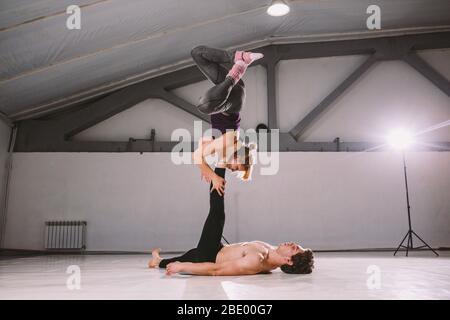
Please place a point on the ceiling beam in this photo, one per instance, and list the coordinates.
(428, 72)
(271, 59)
(287, 144)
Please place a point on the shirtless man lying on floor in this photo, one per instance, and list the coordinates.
(212, 258)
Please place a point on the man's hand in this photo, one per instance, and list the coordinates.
(218, 184)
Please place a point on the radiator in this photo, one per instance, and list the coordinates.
(65, 235)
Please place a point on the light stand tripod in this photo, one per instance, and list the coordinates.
(410, 233)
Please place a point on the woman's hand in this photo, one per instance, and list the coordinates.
(206, 177)
(173, 268)
(218, 183)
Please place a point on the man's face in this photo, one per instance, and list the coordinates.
(288, 249)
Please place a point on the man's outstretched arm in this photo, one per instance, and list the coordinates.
(250, 264)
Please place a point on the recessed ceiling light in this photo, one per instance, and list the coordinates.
(278, 8)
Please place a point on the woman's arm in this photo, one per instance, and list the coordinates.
(224, 147)
(204, 149)
(218, 183)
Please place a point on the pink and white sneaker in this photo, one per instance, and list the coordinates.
(247, 56)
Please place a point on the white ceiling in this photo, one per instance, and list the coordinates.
(43, 63)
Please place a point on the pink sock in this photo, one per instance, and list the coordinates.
(237, 71)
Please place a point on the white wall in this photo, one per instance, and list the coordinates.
(323, 200)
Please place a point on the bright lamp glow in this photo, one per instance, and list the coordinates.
(400, 139)
(278, 8)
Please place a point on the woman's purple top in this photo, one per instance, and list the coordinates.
(223, 122)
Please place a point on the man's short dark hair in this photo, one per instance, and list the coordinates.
(303, 263)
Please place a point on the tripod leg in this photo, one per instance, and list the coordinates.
(425, 244)
(411, 240)
(401, 243)
(407, 245)
(412, 246)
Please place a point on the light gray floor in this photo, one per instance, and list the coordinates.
(337, 276)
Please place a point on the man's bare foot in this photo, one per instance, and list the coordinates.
(156, 259)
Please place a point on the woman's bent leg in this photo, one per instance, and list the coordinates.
(209, 61)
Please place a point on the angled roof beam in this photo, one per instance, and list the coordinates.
(130, 96)
(428, 72)
(183, 104)
(325, 103)
(103, 109)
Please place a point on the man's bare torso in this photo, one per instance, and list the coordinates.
(239, 250)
